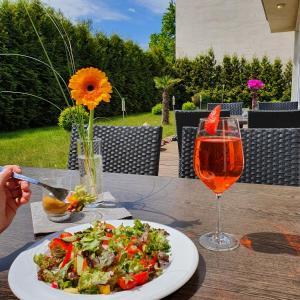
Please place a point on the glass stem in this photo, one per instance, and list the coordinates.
(218, 228)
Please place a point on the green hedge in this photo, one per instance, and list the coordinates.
(129, 68)
(205, 76)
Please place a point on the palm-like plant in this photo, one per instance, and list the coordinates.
(165, 83)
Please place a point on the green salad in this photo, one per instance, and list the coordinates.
(104, 258)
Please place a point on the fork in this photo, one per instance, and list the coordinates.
(58, 193)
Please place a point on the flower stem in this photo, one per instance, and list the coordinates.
(91, 125)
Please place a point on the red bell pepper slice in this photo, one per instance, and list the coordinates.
(68, 256)
(57, 242)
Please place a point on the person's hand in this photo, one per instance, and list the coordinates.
(13, 193)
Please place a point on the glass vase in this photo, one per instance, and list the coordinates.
(254, 100)
(90, 167)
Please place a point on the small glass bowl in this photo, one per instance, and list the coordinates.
(56, 210)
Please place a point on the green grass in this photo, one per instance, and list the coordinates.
(48, 147)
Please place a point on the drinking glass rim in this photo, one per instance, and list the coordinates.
(221, 118)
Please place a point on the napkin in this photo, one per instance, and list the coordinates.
(107, 210)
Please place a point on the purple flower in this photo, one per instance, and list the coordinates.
(255, 84)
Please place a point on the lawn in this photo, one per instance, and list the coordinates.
(48, 147)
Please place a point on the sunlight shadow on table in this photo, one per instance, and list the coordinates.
(272, 242)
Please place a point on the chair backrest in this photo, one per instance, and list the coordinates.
(290, 105)
(235, 108)
(274, 119)
(125, 149)
(191, 118)
(271, 156)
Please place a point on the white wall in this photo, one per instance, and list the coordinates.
(228, 26)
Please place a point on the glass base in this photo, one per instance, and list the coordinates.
(59, 218)
(93, 205)
(225, 241)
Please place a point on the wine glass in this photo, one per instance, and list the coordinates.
(219, 162)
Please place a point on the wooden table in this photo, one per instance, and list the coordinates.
(267, 267)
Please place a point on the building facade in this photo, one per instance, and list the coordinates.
(229, 27)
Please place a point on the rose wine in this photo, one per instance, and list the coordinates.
(218, 161)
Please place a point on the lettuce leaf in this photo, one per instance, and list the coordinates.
(91, 278)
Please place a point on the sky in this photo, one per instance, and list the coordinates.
(131, 19)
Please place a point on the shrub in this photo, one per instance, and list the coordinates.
(188, 106)
(156, 110)
(206, 96)
(69, 116)
(196, 99)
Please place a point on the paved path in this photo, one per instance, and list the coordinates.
(168, 165)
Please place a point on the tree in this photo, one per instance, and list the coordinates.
(165, 40)
(165, 83)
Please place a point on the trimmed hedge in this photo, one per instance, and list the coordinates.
(129, 68)
(228, 80)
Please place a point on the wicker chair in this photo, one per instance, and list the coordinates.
(272, 156)
(133, 150)
(274, 119)
(235, 108)
(291, 105)
(191, 118)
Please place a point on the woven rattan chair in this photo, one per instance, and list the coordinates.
(191, 118)
(278, 105)
(274, 119)
(133, 150)
(272, 156)
(235, 108)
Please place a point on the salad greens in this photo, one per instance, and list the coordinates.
(103, 259)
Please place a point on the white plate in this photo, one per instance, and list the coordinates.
(22, 276)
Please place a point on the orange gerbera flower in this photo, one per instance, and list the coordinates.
(90, 86)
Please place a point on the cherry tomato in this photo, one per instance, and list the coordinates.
(148, 263)
(132, 250)
(109, 226)
(65, 234)
(109, 235)
(153, 261)
(126, 283)
(141, 277)
(211, 124)
(54, 285)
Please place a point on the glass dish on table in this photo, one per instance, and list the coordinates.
(76, 200)
(56, 210)
(218, 163)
